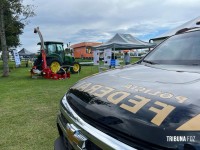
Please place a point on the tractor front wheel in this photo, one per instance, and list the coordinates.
(54, 65)
(75, 67)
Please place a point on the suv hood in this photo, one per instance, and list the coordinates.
(141, 105)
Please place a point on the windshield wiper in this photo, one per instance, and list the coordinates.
(149, 62)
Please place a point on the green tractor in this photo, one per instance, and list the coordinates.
(57, 58)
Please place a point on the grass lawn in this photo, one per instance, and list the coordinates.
(28, 108)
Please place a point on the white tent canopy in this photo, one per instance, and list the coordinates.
(124, 41)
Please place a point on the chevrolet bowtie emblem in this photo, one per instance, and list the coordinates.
(75, 136)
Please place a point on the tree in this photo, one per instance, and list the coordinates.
(13, 17)
(13, 28)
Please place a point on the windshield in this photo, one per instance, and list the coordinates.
(54, 48)
(183, 49)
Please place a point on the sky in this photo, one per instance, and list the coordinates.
(75, 21)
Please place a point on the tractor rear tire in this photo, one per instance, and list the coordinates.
(54, 64)
(75, 67)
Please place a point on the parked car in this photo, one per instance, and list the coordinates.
(152, 104)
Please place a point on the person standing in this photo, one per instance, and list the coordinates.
(126, 58)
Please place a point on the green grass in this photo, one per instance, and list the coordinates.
(28, 109)
(134, 59)
(83, 60)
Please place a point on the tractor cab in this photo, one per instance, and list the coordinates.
(54, 49)
(57, 57)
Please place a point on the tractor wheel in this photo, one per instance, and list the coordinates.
(75, 67)
(54, 64)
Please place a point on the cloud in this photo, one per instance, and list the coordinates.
(77, 21)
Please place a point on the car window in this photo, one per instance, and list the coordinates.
(183, 49)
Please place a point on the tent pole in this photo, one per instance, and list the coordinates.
(114, 55)
(114, 50)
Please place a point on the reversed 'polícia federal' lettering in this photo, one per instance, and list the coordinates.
(136, 102)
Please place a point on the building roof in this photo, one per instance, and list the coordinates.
(84, 44)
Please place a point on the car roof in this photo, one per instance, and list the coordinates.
(186, 30)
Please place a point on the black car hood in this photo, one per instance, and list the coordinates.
(154, 105)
